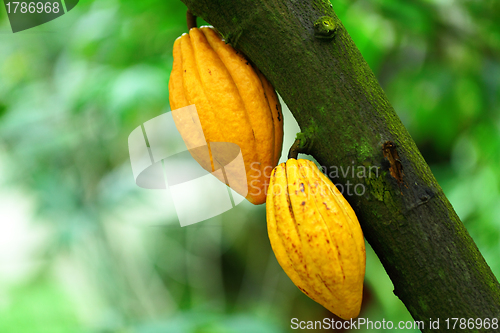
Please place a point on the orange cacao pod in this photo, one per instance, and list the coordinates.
(235, 103)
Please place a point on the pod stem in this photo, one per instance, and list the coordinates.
(190, 20)
(295, 149)
(302, 145)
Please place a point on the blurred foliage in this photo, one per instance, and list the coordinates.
(82, 249)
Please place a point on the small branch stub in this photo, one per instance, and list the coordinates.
(325, 27)
(389, 149)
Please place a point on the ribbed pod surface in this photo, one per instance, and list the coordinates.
(235, 103)
(316, 237)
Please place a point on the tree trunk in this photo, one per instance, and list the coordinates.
(435, 266)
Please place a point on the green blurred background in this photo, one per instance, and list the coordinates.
(83, 249)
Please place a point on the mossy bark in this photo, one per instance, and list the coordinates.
(436, 268)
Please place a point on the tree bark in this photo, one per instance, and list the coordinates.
(436, 268)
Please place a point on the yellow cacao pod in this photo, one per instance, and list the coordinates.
(316, 237)
(235, 103)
